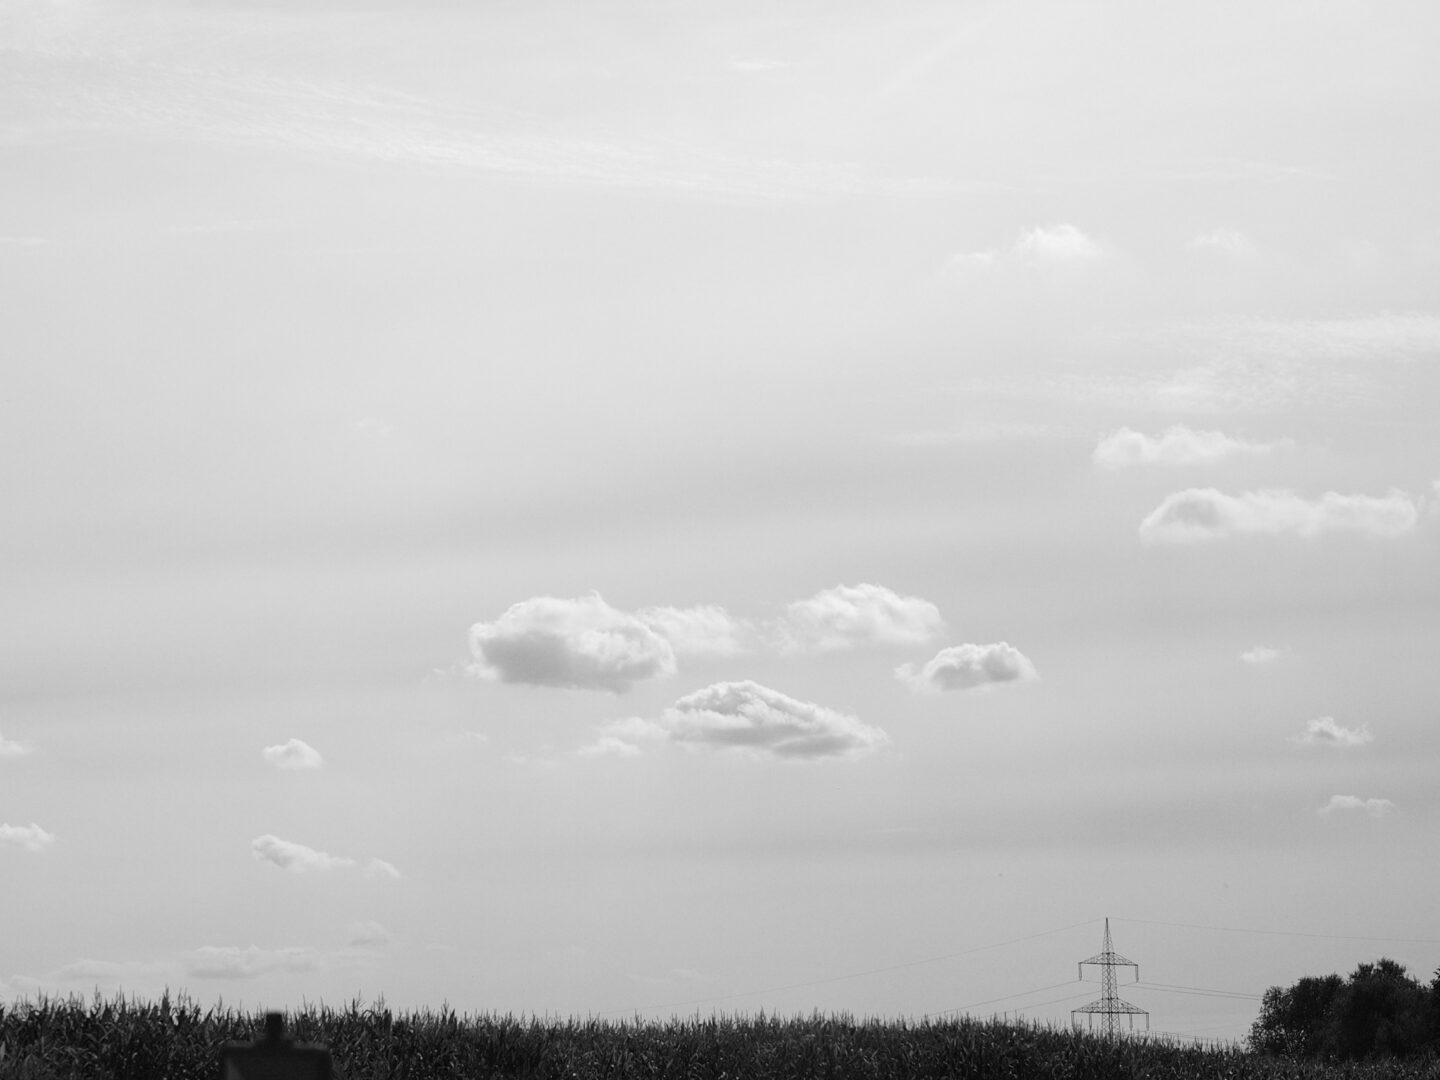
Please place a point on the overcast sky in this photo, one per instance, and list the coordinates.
(598, 508)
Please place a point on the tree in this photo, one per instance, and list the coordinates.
(1379, 1011)
(1293, 1019)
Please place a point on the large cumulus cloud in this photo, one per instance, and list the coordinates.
(580, 643)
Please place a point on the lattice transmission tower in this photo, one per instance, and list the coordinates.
(1109, 1008)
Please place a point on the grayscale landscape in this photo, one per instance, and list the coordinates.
(720, 513)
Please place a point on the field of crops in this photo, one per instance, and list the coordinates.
(135, 1040)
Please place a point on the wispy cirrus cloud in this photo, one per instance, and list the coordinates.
(126, 79)
(748, 718)
(1205, 514)
(299, 859)
(293, 754)
(1177, 445)
(30, 837)
(1376, 808)
(1324, 731)
(966, 667)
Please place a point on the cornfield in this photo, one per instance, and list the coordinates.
(120, 1039)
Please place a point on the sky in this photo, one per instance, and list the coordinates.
(655, 509)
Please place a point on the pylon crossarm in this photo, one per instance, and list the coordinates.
(1111, 959)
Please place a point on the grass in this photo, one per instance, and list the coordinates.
(55, 1038)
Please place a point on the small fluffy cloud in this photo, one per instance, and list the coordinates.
(299, 859)
(851, 615)
(1229, 242)
(295, 754)
(580, 643)
(1199, 514)
(749, 717)
(1058, 244)
(9, 748)
(1179, 445)
(1259, 655)
(30, 837)
(624, 738)
(1376, 808)
(289, 855)
(699, 631)
(1053, 245)
(1324, 731)
(235, 962)
(964, 667)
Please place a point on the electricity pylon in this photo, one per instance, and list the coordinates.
(1109, 1008)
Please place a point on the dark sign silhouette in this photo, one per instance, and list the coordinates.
(275, 1056)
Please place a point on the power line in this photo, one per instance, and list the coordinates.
(1202, 991)
(854, 974)
(1053, 1001)
(991, 1001)
(1284, 933)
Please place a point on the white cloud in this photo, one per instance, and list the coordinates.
(378, 868)
(1260, 654)
(292, 856)
(623, 738)
(1058, 244)
(9, 748)
(749, 717)
(298, 858)
(295, 754)
(581, 643)
(1179, 445)
(235, 962)
(1324, 731)
(1046, 244)
(707, 630)
(1206, 514)
(852, 615)
(1377, 808)
(964, 667)
(1231, 242)
(30, 837)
